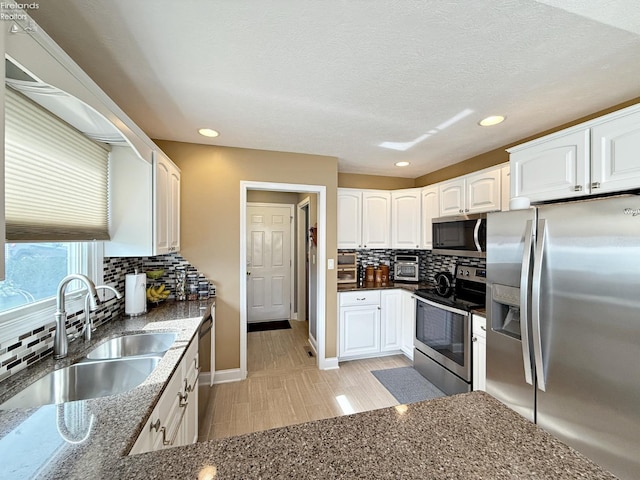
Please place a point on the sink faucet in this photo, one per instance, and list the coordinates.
(60, 342)
(88, 322)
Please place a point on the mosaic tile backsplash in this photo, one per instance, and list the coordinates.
(16, 354)
(429, 264)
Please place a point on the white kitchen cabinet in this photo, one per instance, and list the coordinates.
(349, 218)
(167, 204)
(479, 352)
(554, 168)
(364, 218)
(615, 154)
(390, 320)
(359, 331)
(474, 193)
(405, 218)
(145, 205)
(430, 210)
(174, 420)
(376, 219)
(598, 156)
(408, 323)
(452, 197)
(505, 183)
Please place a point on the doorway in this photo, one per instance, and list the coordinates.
(320, 285)
(269, 262)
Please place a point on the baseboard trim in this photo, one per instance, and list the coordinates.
(204, 378)
(227, 376)
(329, 364)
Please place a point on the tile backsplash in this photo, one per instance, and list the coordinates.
(31, 346)
(429, 263)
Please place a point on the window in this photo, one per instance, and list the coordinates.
(56, 204)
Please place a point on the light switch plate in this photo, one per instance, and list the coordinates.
(330, 264)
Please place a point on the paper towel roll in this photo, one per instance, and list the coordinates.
(135, 294)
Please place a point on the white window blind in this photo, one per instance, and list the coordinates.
(55, 178)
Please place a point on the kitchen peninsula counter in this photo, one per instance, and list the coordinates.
(459, 437)
(465, 436)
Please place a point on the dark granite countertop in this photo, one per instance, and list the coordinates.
(97, 431)
(468, 436)
(353, 287)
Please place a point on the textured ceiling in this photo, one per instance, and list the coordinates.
(342, 78)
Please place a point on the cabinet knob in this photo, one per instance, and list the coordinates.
(155, 425)
(460, 211)
(577, 188)
(595, 185)
(474, 339)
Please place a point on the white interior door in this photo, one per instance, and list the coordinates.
(268, 263)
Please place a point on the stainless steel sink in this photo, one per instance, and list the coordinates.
(131, 345)
(83, 381)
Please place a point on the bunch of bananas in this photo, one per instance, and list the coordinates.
(157, 293)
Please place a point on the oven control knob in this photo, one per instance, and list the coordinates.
(467, 273)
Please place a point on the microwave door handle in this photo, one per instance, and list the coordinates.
(524, 301)
(535, 304)
(476, 235)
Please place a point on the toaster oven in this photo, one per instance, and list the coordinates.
(406, 268)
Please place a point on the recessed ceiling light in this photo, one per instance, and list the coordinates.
(207, 132)
(402, 164)
(492, 120)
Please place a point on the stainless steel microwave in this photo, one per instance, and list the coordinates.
(463, 235)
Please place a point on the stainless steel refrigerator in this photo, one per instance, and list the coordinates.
(563, 304)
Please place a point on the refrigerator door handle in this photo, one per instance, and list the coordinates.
(476, 235)
(524, 301)
(535, 303)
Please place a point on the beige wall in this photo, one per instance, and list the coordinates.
(499, 155)
(263, 196)
(210, 223)
(354, 180)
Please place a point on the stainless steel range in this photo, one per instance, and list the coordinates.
(443, 329)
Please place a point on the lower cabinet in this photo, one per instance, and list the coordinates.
(373, 323)
(479, 352)
(174, 420)
(408, 323)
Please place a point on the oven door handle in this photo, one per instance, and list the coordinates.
(441, 306)
(476, 235)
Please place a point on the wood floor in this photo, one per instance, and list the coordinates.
(285, 387)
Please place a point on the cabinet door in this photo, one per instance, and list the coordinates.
(349, 218)
(174, 211)
(405, 218)
(191, 371)
(452, 197)
(376, 219)
(554, 169)
(479, 353)
(616, 154)
(430, 210)
(505, 187)
(359, 330)
(408, 323)
(161, 204)
(483, 191)
(390, 320)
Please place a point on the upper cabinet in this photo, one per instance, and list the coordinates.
(405, 218)
(599, 156)
(145, 205)
(552, 169)
(430, 210)
(166, 204)
(473, 193)
(364, 218)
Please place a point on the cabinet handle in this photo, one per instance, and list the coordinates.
(155, 425)
(460, 211)
(466, 210)
(378, 307)
(577, 188)
(361, 299)
(176, 431)
(595, 185)
(185, 397)
(483, 328)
